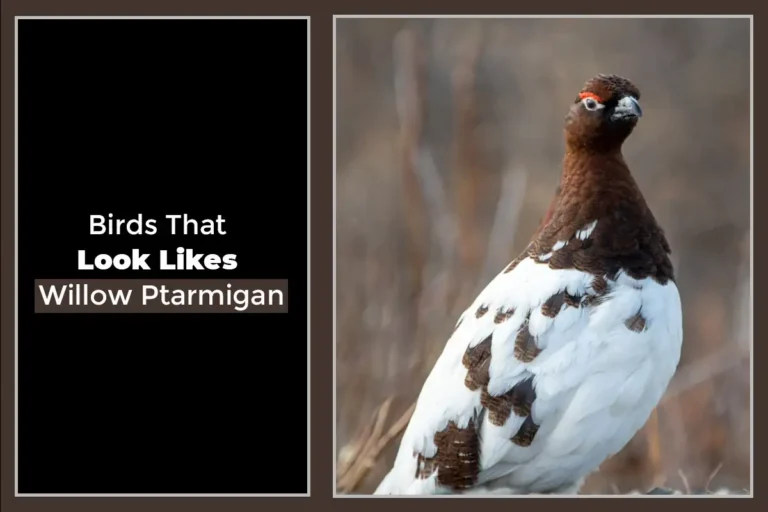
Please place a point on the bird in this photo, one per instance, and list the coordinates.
(564, 355)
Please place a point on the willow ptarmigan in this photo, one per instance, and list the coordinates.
(563, 356)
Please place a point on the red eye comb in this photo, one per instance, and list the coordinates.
(590, 95)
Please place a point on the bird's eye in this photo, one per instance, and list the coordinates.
(591, 104)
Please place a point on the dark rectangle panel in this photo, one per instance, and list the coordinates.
(161, 296)
(163, 153)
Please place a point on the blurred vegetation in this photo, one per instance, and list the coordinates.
(449, 147)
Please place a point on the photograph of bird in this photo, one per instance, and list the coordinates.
(562, 358)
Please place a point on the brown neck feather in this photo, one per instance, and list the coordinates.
(598, 186)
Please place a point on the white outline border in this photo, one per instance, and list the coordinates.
(16, 262)
(751, 230)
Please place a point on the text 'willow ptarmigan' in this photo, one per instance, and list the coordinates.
(564, 355)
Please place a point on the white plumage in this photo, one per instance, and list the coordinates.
(596, 376)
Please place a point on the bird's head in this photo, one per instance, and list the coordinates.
(604, 113)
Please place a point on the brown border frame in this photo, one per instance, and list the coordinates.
(321, 13)
(619, 12)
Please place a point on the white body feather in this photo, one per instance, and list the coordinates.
(596, 380)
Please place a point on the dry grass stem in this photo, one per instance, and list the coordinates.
(360, 455)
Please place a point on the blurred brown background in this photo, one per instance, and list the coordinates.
(449, 144)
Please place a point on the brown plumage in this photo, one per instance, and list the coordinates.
(626, 235)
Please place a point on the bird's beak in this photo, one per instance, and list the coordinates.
(628, 108)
